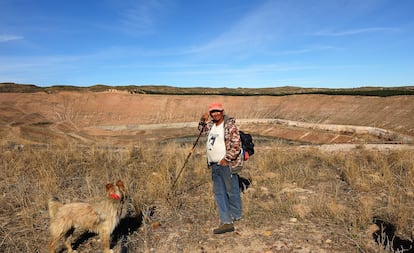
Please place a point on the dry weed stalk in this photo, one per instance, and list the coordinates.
(340, 189)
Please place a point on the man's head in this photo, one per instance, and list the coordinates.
(216, 112)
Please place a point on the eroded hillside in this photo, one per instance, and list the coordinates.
(121, 117)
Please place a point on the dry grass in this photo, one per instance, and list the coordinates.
(301, 197)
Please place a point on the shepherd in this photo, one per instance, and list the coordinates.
(223, 158)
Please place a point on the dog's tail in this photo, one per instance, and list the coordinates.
(53, 205)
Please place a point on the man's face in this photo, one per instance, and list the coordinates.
(216, 115)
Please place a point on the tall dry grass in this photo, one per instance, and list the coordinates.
(340, 192)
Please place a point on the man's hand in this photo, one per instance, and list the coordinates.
(205, 117)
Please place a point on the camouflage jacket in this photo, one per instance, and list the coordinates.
(231, 139)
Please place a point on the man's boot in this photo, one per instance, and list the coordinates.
(224, 228)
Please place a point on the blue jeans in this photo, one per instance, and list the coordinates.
(227, 193)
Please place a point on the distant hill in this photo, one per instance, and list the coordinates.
(170, 90)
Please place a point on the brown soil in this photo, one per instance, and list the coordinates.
(121, 118)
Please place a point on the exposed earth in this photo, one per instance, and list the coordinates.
(119, 119)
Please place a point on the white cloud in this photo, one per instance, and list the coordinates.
(9, 37)
(355, 31)
(255, 30)
(141, 17)
(305, 50)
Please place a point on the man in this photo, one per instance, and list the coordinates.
(224, 160)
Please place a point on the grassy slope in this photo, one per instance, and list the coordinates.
(301, 200)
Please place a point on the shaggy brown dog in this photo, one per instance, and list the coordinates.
(100, 218)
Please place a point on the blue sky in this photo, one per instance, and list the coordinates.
(212, 43)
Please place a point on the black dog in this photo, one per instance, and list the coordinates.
(244, 183)
(386, 236)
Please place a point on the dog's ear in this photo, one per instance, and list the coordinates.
(120, 185)
(109, 187)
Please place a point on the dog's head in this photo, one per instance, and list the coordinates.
(116, 191)
(244, 183)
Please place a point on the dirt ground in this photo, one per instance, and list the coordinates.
(119, 119)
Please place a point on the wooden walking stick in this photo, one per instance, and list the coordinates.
(186, 160)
